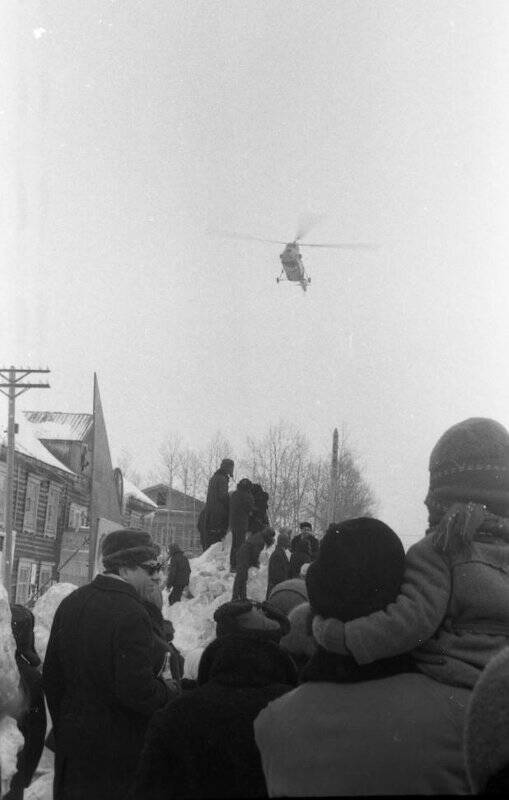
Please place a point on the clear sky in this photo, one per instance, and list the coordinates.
(133, 127)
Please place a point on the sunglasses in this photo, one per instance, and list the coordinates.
(151, 569)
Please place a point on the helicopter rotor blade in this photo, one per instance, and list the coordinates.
(306, 223)
(244, 236)
(343, 246)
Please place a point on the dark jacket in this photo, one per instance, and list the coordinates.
(248, 554)
(99, 677)
(279, 568)
(202, 745)
(241, 509)
(260, 516)
(314, 543)
(179, 570)
(217, 503)
(300, 556)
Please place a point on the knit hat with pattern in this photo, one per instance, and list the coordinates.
(470, 463)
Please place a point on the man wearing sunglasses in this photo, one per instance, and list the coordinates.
(100, 673)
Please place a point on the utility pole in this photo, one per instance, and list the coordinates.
(333, 476)
(15, 385)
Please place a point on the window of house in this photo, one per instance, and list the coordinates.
(24, 579)
(45, 577)
(50, 524)
(31, 502)
(78, 516)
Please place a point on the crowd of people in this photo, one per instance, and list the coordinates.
(366, 671)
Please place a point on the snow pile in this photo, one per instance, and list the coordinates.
(211, 585)
(11, 740)
(44, 611)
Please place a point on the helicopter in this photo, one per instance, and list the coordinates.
(293, 269)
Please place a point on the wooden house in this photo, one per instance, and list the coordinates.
(175, 518)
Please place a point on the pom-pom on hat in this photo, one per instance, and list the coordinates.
(470, 463)
(128, 548)
(358, 570)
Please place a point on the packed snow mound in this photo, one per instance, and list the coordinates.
(211, 585)
(11, 740)
(44, 610)
(9, 681)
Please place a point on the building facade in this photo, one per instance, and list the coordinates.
(175, 519)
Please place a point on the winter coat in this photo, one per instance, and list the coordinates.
(394, 736)
(301, 556)
(248, 554)
(32, 724)
(241, 509)
(278, 569)
(260, 517)
(179, 570)
(100, 684)
(314, 543)
(202, 745)
(454, 609)
(217, 506)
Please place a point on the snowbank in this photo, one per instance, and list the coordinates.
(211, 585)
(44, 611)
(11, 740)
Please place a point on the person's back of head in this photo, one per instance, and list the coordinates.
(268, 535)
(174, 548)
(283, 540)
(288, 594)
(227, 466)
(358, 570)
(244, 485)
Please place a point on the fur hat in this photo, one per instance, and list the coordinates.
(288, 594)
(358, 570)
(487, 724)
(128, 548)
(250, 618)
(469, 463)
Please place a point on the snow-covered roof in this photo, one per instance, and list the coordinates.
(27, 443)
(130, 490)
(60, 426)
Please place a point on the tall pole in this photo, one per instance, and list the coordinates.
(333, 476)
(13, 378)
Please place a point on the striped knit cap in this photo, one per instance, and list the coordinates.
(470, 464)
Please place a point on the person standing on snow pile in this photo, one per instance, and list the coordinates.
(202, 745)
(454, 603)
(32, 721)
(100, 673)
(279, 563)
(242, 506)
(306, 532)
(179, 573)
(248, 555)
(217, 504)
(260, 516)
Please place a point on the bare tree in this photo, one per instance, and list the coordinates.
(170, 453)
(125, 464)
(211, 456)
